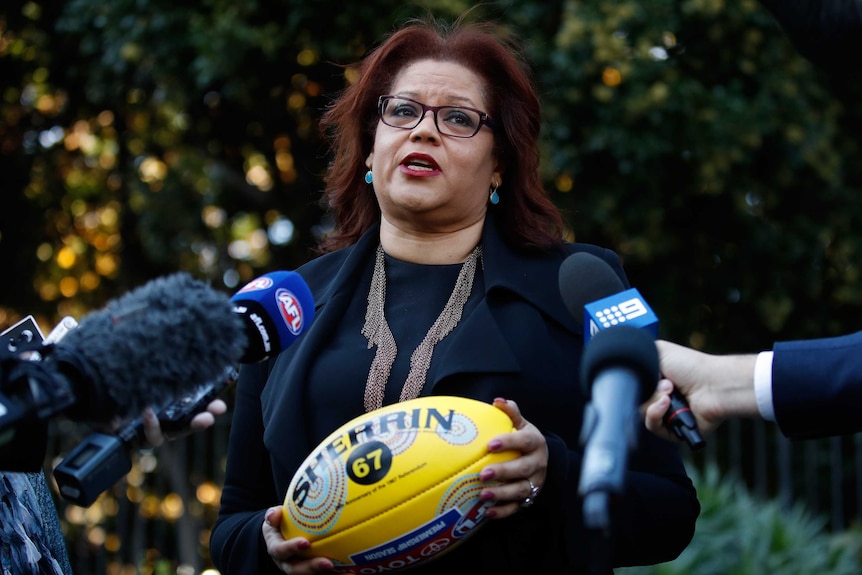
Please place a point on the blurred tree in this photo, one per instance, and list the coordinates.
(694, 140)
(152, 136)
(143, 136)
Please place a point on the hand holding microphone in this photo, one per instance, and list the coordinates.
(144, 348)
(272, 310)
(717, 387)
(595, 295)
(275, 309)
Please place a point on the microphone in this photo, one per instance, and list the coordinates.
(166, 337)
(273, 310)
(618, 373)
(594, 294)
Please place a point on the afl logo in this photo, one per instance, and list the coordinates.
(291, 311)
(258, 284)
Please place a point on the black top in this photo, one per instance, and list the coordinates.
(415, 296)
(518, 342)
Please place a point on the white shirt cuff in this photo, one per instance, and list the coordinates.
(763, 385)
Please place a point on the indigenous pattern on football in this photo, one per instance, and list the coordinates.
(397, 486)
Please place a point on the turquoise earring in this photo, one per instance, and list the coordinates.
(369, 177)
(494, 198)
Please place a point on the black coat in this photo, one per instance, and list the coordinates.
(520, 343)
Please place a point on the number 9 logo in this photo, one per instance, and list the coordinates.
(632, 308)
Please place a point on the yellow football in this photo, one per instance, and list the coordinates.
(397, 486)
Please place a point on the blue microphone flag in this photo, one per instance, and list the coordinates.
(623, 308)
(278, 307)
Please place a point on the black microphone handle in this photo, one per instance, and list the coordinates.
(681, 421)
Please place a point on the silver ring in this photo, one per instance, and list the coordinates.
(531, 498)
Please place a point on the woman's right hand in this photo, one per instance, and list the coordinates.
(287, 553)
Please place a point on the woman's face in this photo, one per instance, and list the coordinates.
(424, 180)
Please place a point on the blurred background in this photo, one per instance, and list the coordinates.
(142, 137)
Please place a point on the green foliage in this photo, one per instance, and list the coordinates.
(689, 136)
(706, 152)
(738, 534)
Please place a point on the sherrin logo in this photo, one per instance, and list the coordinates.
(258, 284)
(291, 311)
(365, 450)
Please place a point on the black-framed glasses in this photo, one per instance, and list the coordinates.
(455, 121)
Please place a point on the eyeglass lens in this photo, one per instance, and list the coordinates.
(451, 120)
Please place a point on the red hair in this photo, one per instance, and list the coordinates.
(527, 216)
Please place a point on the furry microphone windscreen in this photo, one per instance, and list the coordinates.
(148, 346)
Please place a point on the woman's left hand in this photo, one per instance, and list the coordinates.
(522, 478)
(201, 421)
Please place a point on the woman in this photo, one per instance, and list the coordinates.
(435, 183)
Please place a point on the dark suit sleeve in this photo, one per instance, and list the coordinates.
(827, 32)
(236, 544)
(817, 386)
